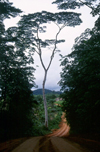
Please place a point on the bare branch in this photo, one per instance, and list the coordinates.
(54, 49)
(55, 45)
(57, 24)
(86, 4)
(93, 8)
(37, 52)
(39, 48)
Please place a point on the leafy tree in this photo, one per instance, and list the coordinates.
(6, 11)
(94, 5)
(16, 80)
(30, 26)
(80, 81)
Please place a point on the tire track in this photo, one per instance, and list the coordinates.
(45, 145)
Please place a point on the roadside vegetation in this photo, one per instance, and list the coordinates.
(80, 82)
(54, 114)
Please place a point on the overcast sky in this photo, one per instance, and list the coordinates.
(68, 33)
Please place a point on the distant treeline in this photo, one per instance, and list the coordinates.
(39, 92)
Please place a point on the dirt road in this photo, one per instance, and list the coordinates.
(48, 144)
(54, 142)
(51, 143)
(64, 129)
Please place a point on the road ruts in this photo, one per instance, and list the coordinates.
(47, 144)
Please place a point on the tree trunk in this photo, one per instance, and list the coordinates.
(44, 99)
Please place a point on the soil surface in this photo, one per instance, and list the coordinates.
(72, 143)
(48, 144)
(9, 145)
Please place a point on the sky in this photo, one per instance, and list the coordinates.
(68, 33)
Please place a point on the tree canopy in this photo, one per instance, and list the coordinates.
(7, 10)
(94, 5)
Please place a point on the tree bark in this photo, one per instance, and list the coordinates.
(44, 99)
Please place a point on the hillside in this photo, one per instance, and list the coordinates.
(47, 91)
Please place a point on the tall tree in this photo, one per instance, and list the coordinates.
(80, 81)
(30, 26)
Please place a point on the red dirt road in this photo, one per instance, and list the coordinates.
(63, 131)
(51, 142)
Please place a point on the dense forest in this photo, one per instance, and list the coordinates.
(81, 74)
(16, 98)
(21, 112)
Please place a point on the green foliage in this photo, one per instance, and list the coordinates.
(31, 25)
(60, 102)
(51, 97)
(94, 5)
(54, 115)
(38, 98)
(66, 4)
(80, 81)
(7, 10)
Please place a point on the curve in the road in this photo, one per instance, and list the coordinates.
(64, 129)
